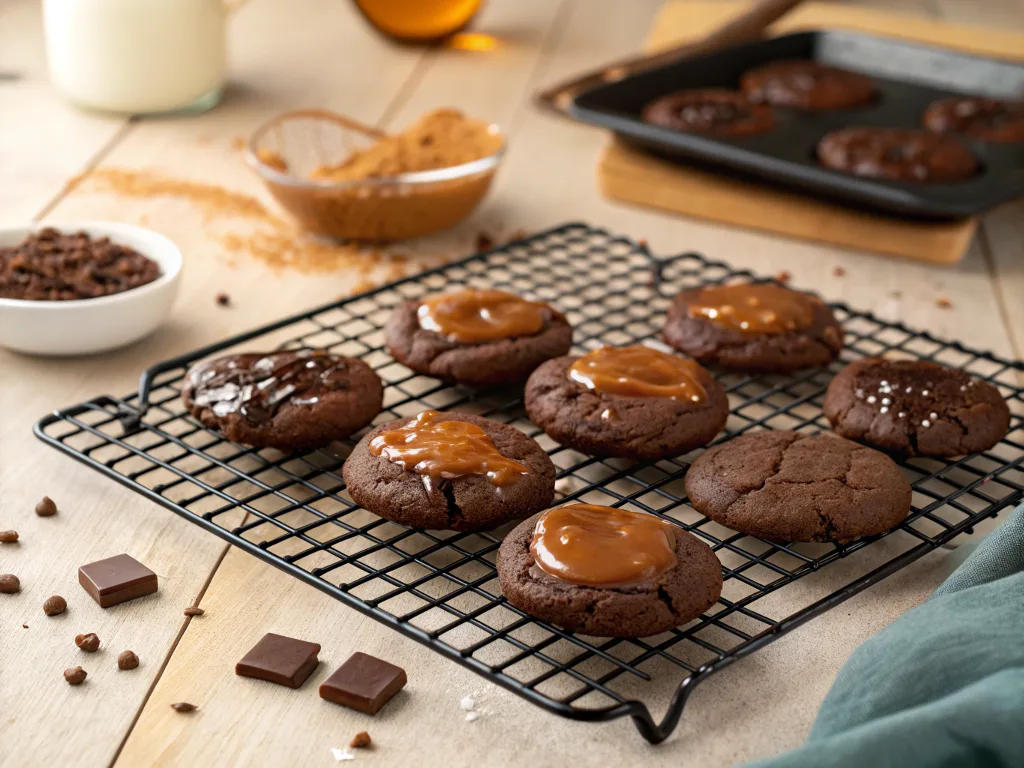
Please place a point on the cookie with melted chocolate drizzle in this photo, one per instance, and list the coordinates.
(710, 111)
(285, 400)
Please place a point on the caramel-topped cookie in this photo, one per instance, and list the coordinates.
(978, 117)
(451, 471)
(286, 400)
(916, 407)
(753, 327)
(608, 572)
(806, 84)
(711, 111)
(788, 486)
(476, 337)
(633, 402)
(897, 154)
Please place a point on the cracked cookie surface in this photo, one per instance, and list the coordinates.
(601, 424)
(474, 364)
(916, 408)
(788, 486)
(467, 503)
(676, 597)
(711, 344)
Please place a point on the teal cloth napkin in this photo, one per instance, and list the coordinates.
(943, 685)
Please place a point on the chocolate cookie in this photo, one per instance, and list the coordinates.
(286, 400)
(667, 600)
(985, 119)
(710, 111)
(805, 84)
(480, 359)
(602, 423)
(787, 486)
(753, 328)
(916, 407)
(435, 499)
(897, 154)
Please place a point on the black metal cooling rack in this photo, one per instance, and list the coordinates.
(439, 587)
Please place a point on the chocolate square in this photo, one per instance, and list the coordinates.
(364, 682)
(116, 580)
(279, 659)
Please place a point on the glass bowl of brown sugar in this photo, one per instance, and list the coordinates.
(348, 181)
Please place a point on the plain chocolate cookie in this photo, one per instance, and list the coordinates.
(468, 503)
(788, 486)
(286, 400)
(710, 111)
(981, 118)
(678, 596)
(601, 424)
(711, 344)
(487, 363)
(805, 84)
(897, 154)
(916, 408)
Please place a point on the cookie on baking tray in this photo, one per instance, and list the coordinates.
(977, 117)
(805, 84)
(711, 112)
(897, 154)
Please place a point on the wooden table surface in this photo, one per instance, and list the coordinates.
(318, 52)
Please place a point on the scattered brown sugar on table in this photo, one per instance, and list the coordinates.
(53, 266)
(279, 659)
(364, 683)
(116, 580)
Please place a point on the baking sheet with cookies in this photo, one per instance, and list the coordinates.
(441, 588)
(908, 78)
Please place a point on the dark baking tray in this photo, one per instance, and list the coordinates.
(909, 77)
(440, 587)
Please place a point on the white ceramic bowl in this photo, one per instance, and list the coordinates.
(89, 326)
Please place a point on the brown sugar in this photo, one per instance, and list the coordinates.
(438, 139)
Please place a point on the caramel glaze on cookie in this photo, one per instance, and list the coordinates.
(897, 154)
(286, 400)
(753, 328)
(710, 111)
(607, 572)
(787, 486)
(806, 84)
(916, 408)
(980, 118)
(477, 338)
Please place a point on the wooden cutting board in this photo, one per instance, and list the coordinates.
(633, 176)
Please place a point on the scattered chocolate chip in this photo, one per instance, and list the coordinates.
(24, 626)
(484, 242)
(194, 611)
(943, 303)
(54, 605)
(784, 277)
(9, 583)
(223, 300)
(46, 507)
(183, 706)
(360, 741)
(642, 242)
(8, 537)
(838, 271)
(89, 643)
(75, 675)
(127, 660)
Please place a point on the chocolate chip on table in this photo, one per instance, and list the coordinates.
(943, 303)
(127, 660)
(46, 507)
(9, 583)
(838, 271)
(784, 277)
(24, 626)
(75, 675)
(56, 266)
(193, 610)
(361, 740)
(55, 605)
(8, 537)
(89, 643)
(223, 299)
(183, 706)
(484, 242)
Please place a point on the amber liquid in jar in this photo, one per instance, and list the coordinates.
(418, 20)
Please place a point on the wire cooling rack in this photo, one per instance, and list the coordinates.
(440, 587)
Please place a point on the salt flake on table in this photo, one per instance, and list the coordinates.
(471, 716)
(468, 703)
(342, 754)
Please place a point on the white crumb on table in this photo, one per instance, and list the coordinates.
(468, 703)
(471, 716)
(342, 754)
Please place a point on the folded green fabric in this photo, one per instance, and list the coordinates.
(943, 685)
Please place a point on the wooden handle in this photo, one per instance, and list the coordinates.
(747, 26)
